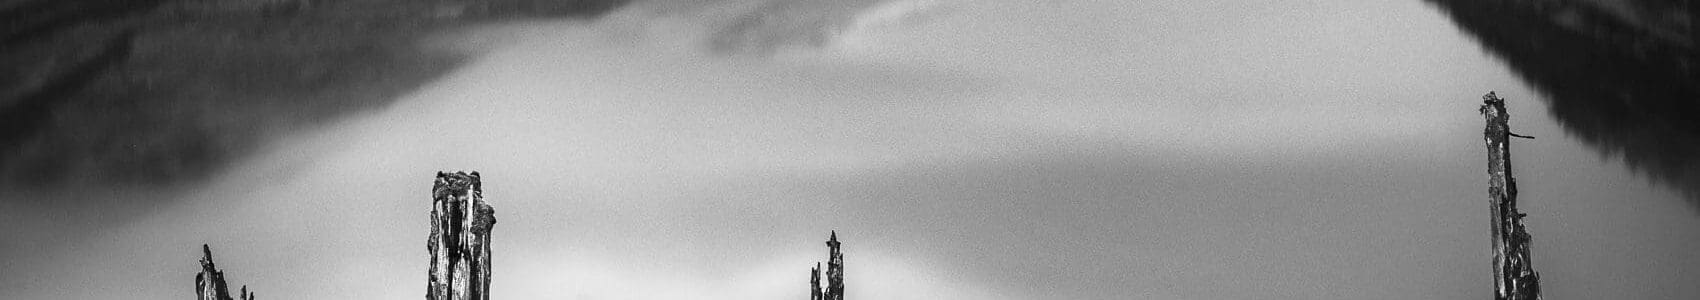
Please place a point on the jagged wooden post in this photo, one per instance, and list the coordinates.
(814, 283)
(834, 289)
(1513, 276)
(210, 284)
(834, 270)
(460, 239)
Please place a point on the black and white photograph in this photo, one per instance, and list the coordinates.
(892, 149)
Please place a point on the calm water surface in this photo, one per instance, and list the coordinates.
(962, 150)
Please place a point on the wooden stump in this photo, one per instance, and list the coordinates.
(460, 239)
(210, 284)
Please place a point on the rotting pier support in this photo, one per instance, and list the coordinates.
(834, 289)
(460, 239)
(1513, 276)
(210, 284)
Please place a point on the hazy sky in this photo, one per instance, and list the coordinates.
(1167, 149)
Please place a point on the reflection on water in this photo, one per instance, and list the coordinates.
(1624, 89)
(1056, 150)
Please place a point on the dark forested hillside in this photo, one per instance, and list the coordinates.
(161, 91)
(1628, 87)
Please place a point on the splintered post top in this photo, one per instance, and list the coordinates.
(459, 243)
(457, 184)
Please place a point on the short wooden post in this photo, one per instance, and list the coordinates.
(210, 284)
(460, 239)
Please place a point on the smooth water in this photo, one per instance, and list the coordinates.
(961, 149)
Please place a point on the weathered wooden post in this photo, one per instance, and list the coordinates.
(210, 284)
(1513, 276)
(814, 283)
(834, 289)
(834, 270)
(460, 239)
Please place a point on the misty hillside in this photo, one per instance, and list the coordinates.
(161, 91)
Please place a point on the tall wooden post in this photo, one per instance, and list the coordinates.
(460, 239)
(834, 269)
(1513, 276)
